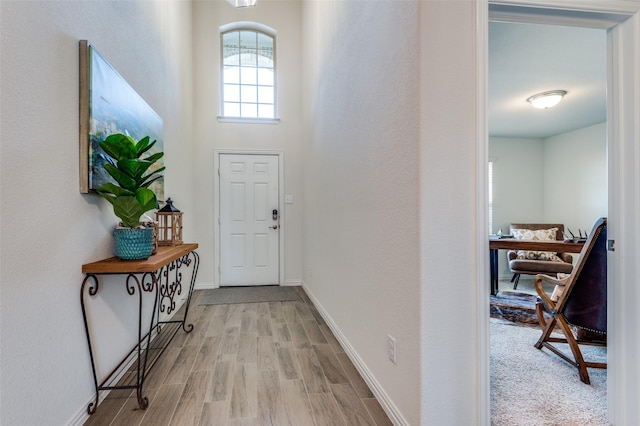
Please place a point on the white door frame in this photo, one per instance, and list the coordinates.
(216, 208)
(623, 131)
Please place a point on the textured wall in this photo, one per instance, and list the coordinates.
(575, 177)
(518, 181)
(361, 181)
(48, 228)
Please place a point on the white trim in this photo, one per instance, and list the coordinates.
(82, 416)
(293, 283)
(205, 286)
(623, 107)
(385, 401)
(483, 414)
(243, 120)
(625, 7)
(623, 123)
(248, 25)
(216, 209)
(570, 17)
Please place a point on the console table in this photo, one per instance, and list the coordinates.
(160, 276)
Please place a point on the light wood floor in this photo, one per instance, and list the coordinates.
(271, 363)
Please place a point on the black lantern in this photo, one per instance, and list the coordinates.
(169, 225)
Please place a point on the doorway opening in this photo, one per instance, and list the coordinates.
(621, 127)
(547, 166)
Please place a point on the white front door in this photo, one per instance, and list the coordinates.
(249, 220)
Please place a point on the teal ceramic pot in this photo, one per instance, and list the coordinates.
(133, 243)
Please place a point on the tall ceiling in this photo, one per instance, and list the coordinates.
(525, 59)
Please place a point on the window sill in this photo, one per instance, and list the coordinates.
(249, 120)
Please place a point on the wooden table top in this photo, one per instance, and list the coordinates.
(164, 255)
(555, 246)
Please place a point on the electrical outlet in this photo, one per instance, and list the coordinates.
(391, 348)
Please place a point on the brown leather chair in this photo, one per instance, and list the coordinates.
(581, 309)
(563, 264)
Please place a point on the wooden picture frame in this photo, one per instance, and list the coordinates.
(108, 104)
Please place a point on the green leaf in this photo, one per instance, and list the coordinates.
(146, 198)
(142, 150)
(155, 157)
(122, 178)
(146, 184)
(134, 168)
(142, 146)
(129, 210)
(145, 180)
(119, 146)
(110, 188)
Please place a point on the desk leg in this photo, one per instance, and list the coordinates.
(493, 267)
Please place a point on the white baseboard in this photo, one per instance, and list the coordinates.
(204, 286)
(209, 286)
(388, 406)
(82, 416)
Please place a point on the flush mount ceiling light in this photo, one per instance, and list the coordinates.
(546, 100)
(242, 3)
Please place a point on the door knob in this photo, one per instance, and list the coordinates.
(274, 227)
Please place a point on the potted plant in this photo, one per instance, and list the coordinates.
(130, 195)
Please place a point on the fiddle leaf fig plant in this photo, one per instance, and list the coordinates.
(131, 196)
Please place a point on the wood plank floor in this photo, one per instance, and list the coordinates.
(273, 363)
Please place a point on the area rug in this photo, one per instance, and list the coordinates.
(514, 306)
(535, 387)
(253, 294)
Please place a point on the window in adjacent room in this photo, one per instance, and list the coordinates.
(490, 172)
(490, 190)
(248, 72)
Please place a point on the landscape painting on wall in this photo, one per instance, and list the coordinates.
(108, 104)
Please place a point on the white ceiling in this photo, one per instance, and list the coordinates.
(525, 59)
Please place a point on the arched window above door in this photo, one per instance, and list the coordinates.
(248, 74)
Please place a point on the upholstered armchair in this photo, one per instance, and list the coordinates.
(537, 262)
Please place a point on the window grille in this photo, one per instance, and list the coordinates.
(248, 74)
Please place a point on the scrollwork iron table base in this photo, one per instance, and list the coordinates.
(159, 276)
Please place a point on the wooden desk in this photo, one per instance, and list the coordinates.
(513, 244)
(160, 276)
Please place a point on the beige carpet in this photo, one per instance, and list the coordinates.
(531, 387)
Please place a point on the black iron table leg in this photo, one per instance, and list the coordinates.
(493, 267)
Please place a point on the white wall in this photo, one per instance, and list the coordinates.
(453, 339)
(211, 135)
(575, 177)
(518, 181)
(361, 184)
(48, 229)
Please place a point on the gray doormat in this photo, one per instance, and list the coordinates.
(230, 295)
